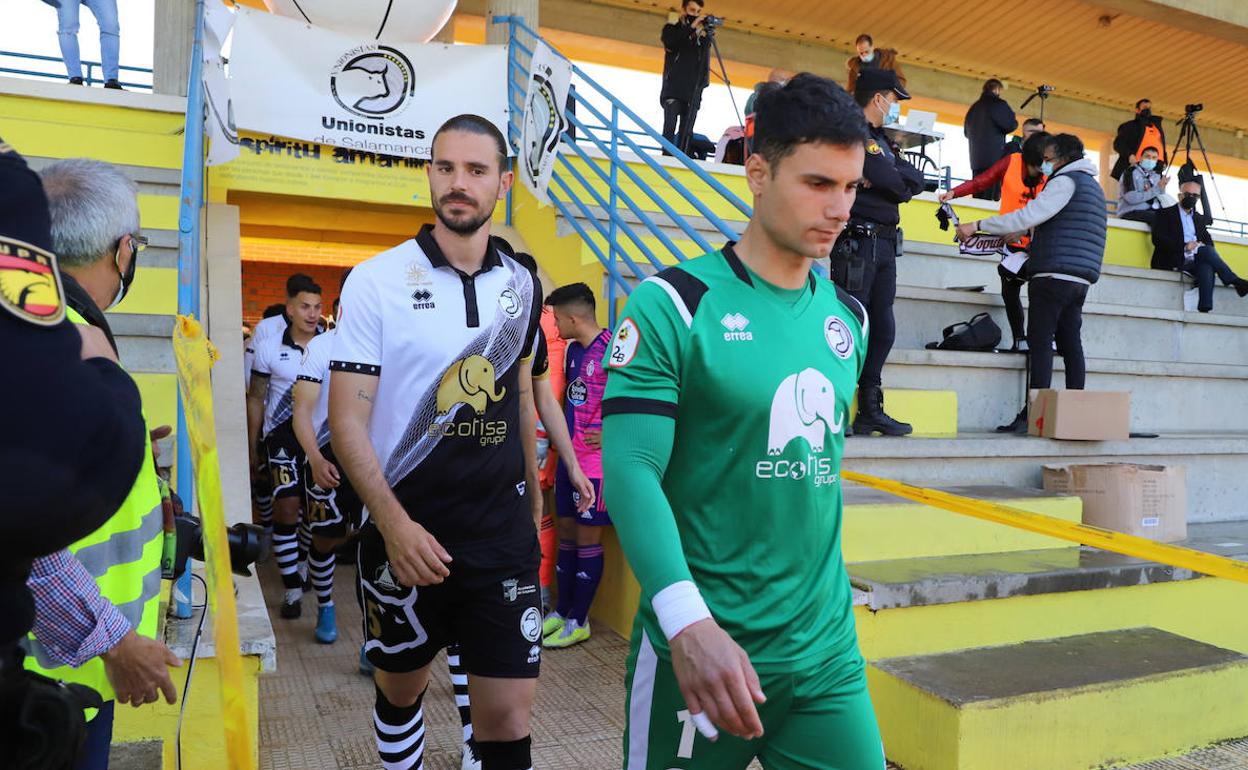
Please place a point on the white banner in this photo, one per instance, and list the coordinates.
(292, 79)
(544, 121)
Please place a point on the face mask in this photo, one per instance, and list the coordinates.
(866, 57)
(1188, 201)
(1146, 113)
(127, 278)
(1046, 168)
(1148, 164)
(893, 115)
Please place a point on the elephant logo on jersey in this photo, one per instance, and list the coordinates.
(470, 381)
(804, 407)
(30, 286)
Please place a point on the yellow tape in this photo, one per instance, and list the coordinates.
(1118, 542)
(195, 354)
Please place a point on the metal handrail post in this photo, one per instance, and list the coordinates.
(190, 204)
(613, 186)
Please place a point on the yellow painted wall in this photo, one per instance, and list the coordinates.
(54, 129)
(203, 742)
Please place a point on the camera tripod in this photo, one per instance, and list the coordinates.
(1189, 132)
(1043, 92)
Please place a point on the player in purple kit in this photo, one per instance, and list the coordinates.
(578, 568)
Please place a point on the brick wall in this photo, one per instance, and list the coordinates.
(265, 283)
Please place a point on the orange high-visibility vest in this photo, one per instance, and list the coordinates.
(1015, 193)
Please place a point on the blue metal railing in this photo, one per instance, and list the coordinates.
(89, 77)
(590, 195)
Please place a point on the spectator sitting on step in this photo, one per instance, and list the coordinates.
(1181, 241)
(1142, 189)
(105, 12)
(870, 57)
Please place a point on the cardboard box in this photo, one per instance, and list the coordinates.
(1145, 500)
(1081, 415)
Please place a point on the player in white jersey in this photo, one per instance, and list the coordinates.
(269, 408)
(434, 345)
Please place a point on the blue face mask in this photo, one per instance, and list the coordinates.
(1148, 164)
(894, 114)
(1046, 168)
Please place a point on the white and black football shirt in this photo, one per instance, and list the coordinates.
(446, 348)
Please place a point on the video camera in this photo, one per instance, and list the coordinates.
(244, 540)
(710, 22)
(1192, 109)
(1043, 90)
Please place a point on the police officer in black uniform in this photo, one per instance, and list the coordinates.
(73, 444)
(864, 260)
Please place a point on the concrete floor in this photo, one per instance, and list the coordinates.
(316, 709)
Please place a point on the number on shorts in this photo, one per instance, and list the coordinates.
(374, 618)
(318, 511)
(687, 733)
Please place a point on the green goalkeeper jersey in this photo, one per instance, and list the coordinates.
(758, 380)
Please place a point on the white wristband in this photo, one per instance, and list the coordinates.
(679, 606)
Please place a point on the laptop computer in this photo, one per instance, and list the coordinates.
(920, 122)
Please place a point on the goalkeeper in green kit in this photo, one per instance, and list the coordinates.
(729, 388)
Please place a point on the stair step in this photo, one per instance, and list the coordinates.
(1217, 488)
(990, 387)
(881, 529)
(945, 579)
(1073, 702)
(930, 412)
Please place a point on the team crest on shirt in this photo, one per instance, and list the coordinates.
(624, 344)
(839, 337)
(30, 284)
(589, 368)
(874, 148)
(417, 275)
(509, 302)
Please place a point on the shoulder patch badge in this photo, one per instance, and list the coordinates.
(624, 344)
(30, 283)
(874, 148)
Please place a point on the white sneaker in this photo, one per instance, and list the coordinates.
(470, 760)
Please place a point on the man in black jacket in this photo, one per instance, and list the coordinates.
(1144, 130)
(986, 125)
(686, 72)
(1181, 241)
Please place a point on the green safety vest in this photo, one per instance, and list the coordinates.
(124, 558)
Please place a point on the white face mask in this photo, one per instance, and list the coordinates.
(125, 278)
(866, 57)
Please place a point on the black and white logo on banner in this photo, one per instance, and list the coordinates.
(372, 81)
(544, 119)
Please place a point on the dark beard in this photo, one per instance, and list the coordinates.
(462, 226)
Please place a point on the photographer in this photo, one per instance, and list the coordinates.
(864, 259)
(1144, 130)
(74, 444)
(686, 72)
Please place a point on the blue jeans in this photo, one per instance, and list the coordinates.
(1205, 266)
(94, 754)
(105, 12)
